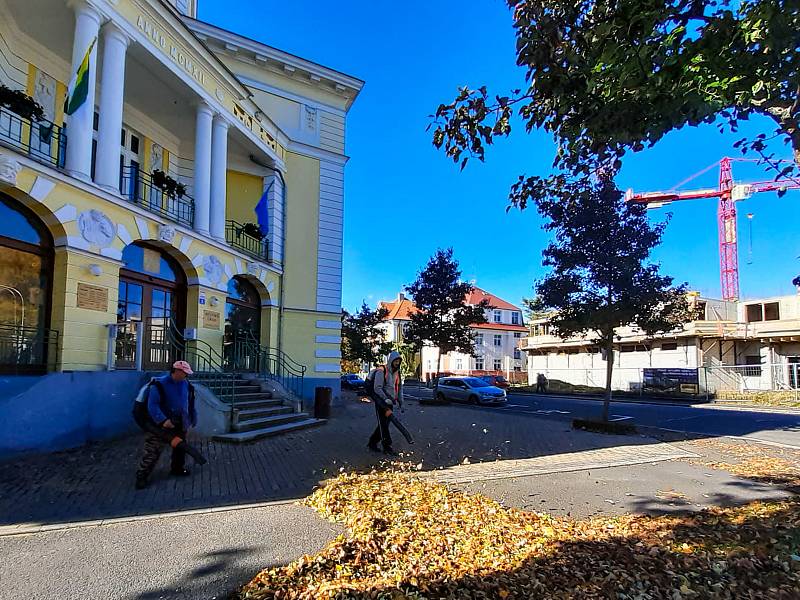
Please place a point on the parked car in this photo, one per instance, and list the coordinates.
(469, 389)
(496, 381)
(354, 382)
(432, 380)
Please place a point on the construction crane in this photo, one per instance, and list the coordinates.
(728, 194)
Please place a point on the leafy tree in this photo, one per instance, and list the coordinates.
(443, 318)
(411, 359)
(363, 340)
(531, 309)
(607, 77)
(601, 277)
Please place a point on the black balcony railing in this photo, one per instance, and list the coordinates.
(43, 141)
(27, 349)
(138, 187)
(240, 239)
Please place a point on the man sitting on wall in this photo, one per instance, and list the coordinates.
(170, 405)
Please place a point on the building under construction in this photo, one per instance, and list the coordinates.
(736, 346)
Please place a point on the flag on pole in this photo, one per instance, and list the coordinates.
(262, 210)
(78, 87)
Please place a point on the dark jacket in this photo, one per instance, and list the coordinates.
(177, 405)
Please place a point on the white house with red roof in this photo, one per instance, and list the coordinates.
(496, 342)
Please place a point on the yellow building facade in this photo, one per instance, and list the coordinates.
(134, 217)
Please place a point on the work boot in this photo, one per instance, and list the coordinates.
(390, 452)
(373, 447)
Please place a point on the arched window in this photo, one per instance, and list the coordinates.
(26, 276)
(26, 251)
(152, 289)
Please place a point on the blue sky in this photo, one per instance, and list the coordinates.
(404, 198)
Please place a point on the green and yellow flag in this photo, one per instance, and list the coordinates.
(78, 88)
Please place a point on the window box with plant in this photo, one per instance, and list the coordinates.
(20, 104)
(168, 185)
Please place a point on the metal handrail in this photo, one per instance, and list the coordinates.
(205, 360)
(138, 188)
(43, 141)
(28, 349)
(267, 363)
(238, 238)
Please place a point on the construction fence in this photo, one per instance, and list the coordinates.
(707, 381)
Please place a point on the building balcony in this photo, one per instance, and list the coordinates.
(42, 141)
(238, 237)
(138, 188)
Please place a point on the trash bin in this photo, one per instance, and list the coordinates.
(322, 402)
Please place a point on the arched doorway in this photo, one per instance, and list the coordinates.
(26, 275)
(152, 291)
(242, 324)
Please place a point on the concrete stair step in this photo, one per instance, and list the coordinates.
(240, 437)
(256, 413)
(245, 397)
(252, 404)
(265, 422)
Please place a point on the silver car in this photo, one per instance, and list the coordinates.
(469, 389)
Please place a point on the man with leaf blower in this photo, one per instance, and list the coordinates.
(385, 387)
(165, 409)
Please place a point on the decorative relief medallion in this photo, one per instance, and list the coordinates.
(96, 228)
(166, 233)
(213, 268)
(9, 168)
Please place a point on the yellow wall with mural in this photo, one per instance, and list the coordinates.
(243, 193)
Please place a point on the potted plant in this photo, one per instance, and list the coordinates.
(167, 184)
(253, 230)
(20, 103)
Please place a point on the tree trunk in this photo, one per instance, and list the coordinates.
(609, 371)
(438, 370)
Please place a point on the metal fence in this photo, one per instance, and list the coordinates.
(714, 381)
(744, 379)
(27, 349)
(42, 140)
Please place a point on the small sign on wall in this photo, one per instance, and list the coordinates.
(210, 319)
(92, 297)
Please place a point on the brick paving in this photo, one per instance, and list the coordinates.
(96, 482)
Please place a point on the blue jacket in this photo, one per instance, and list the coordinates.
(175, 402)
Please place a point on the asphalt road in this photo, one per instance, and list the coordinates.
(764, 426)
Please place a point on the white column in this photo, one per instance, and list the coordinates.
(79, 124)
(202, 168)
(219, 169)
(112, 87)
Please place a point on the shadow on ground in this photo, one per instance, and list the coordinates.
(96, 482)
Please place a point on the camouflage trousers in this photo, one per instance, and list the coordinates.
(153, 447)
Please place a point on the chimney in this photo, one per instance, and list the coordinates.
(401, 296)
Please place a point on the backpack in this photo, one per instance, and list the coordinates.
(140, 413)
(369, 384)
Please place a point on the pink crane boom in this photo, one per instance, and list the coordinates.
(728, 194)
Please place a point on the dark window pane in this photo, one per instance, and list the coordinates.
(16, 226)
(95, 120)
(122, 138)
(134, 293)
(754, 313)
(133, 312)
(123, 287)
(772, 311)
(135, 144)
(158, 299)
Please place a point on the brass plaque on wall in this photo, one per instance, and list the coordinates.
(210, 319)
(92, 297)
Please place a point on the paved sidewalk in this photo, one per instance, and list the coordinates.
(191, 557)
(96, 482)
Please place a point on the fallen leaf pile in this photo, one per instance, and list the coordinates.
(760, 463)
(409, 539)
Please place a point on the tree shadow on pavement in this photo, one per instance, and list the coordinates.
(219, 573)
